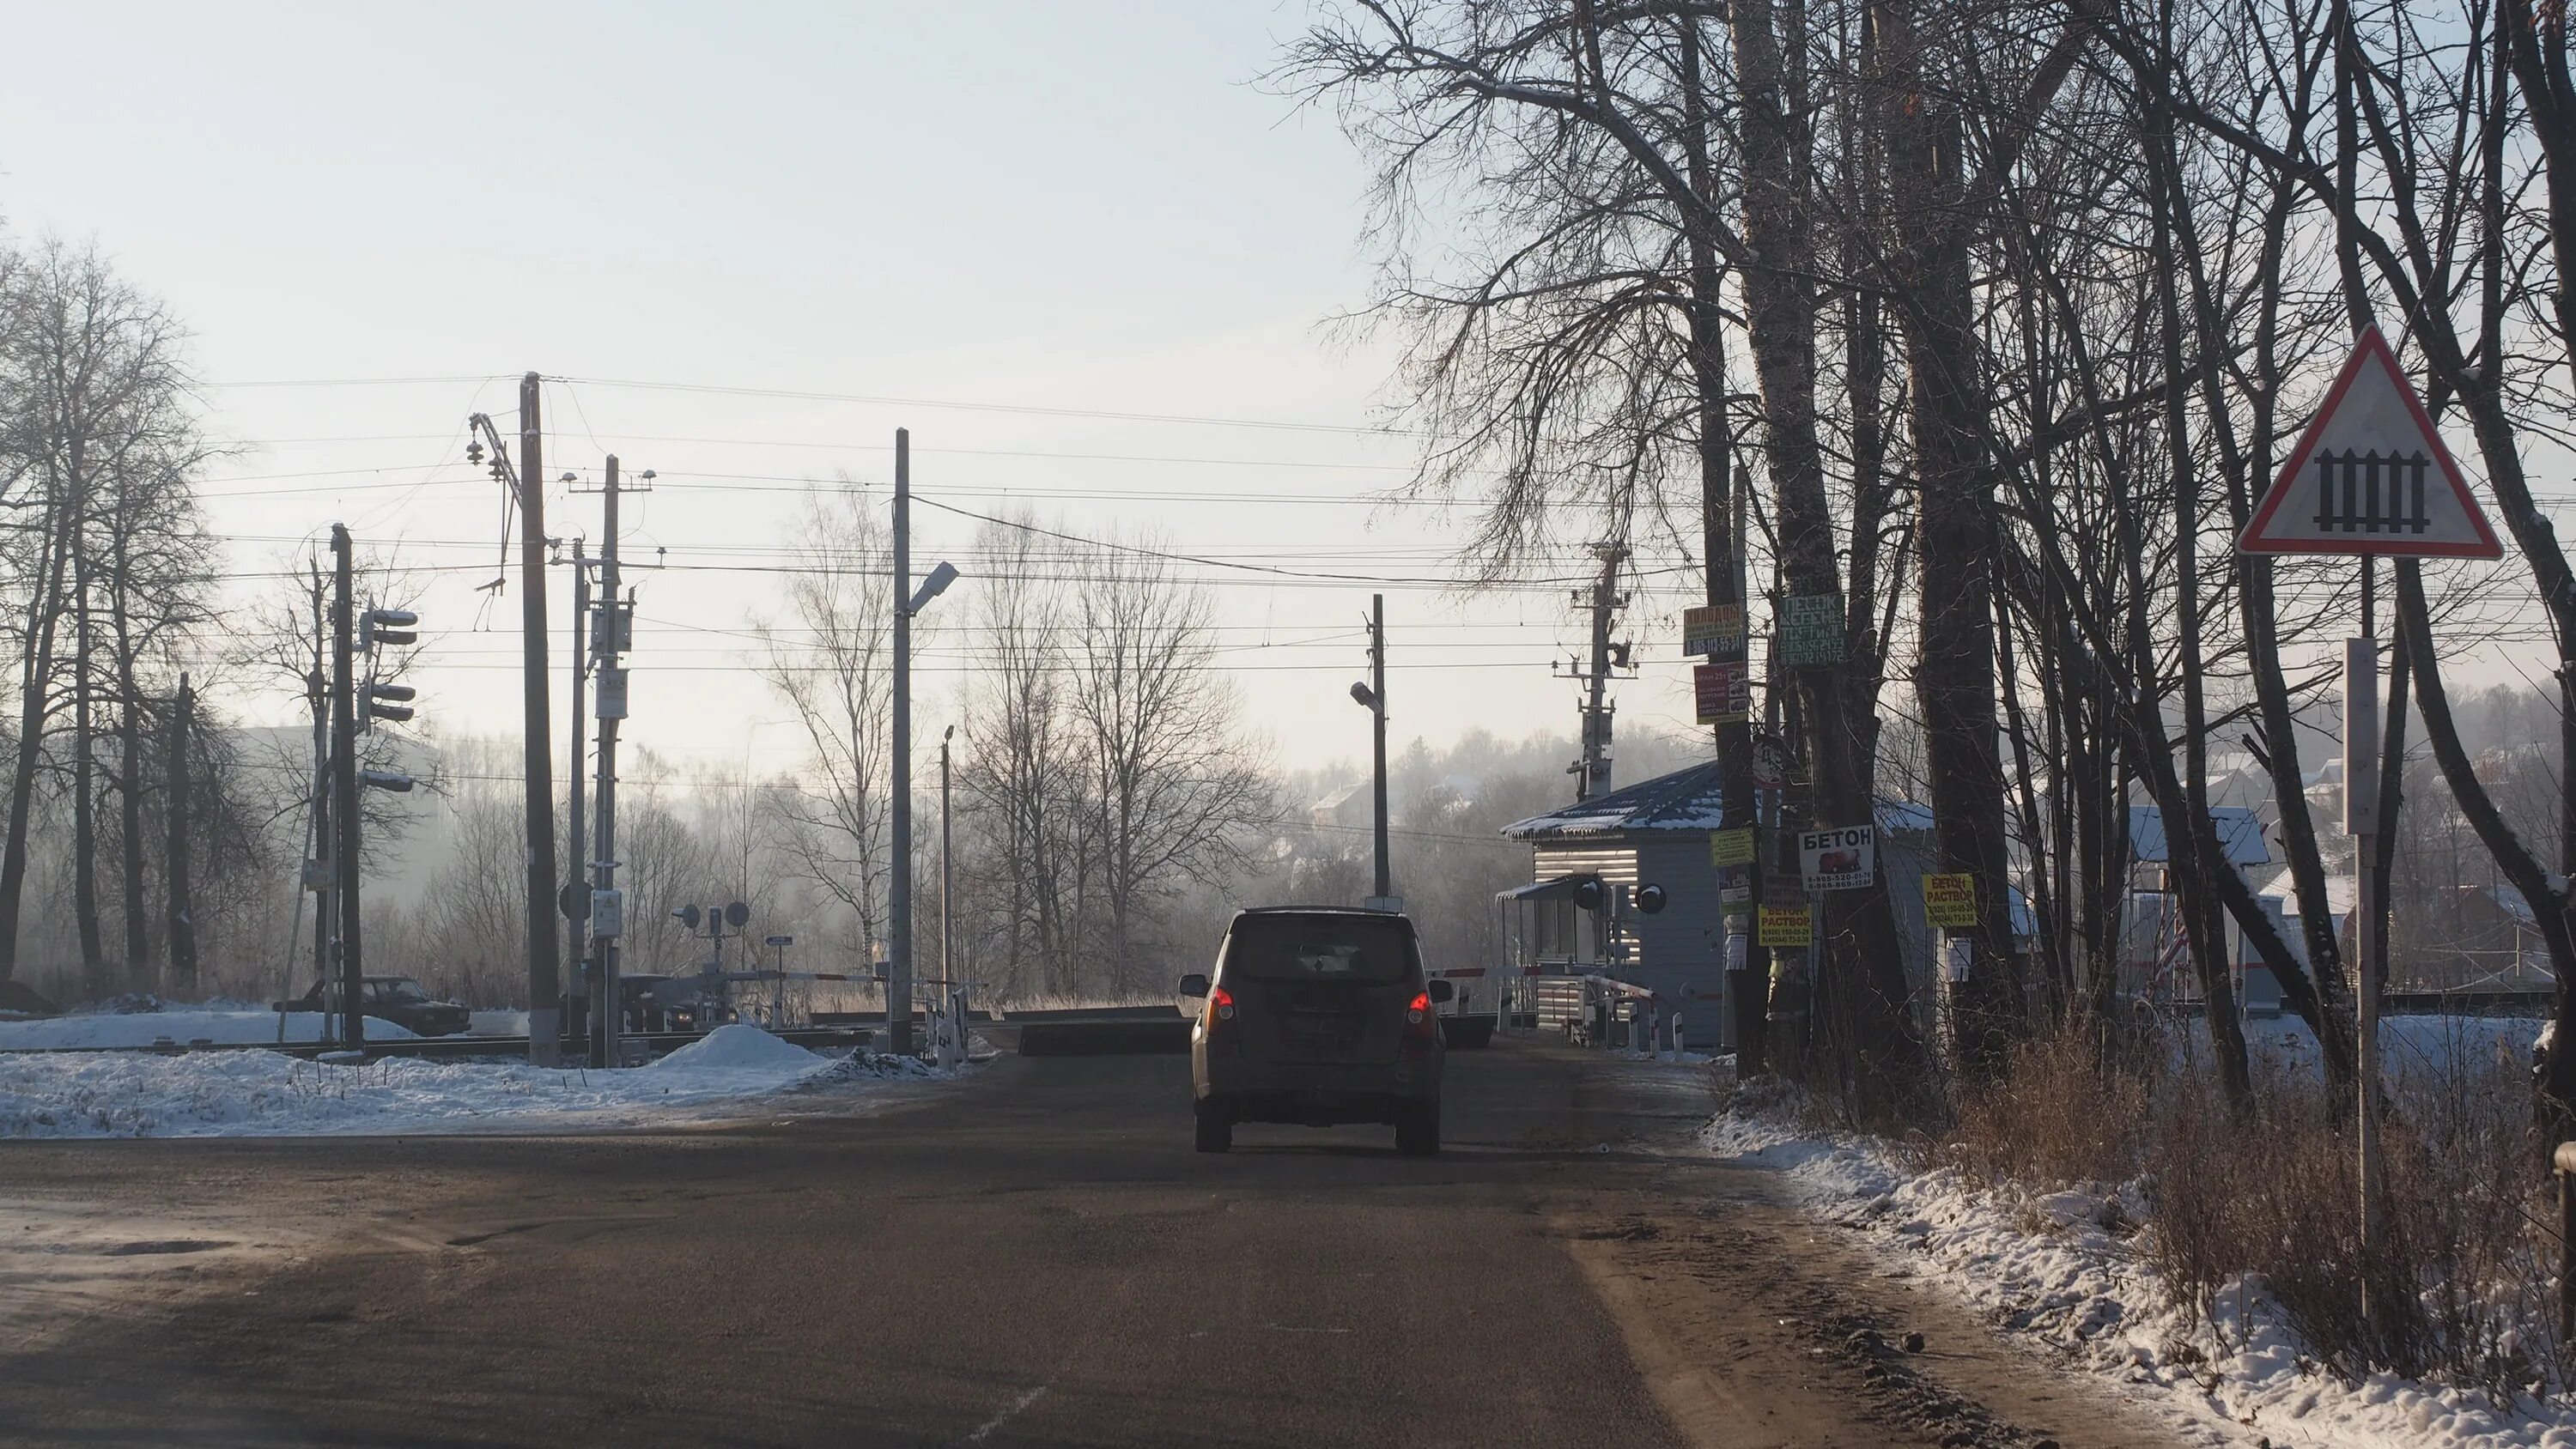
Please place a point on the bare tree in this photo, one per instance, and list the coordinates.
(831, 661)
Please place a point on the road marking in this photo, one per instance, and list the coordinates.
(1017, 1407)
(1291, 1328)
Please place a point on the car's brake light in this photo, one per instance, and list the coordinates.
(1418, 1020)
(1220, 1003)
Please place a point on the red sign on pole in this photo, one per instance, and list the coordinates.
(2371, 476)
(1723, 691)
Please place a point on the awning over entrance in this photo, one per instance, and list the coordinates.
(1559, 888)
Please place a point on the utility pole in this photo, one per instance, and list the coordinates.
(321, 869)
(176, 860)
(608, 636)
(574, 898)
(1377, 712)
(344, 796)
(183, 919)
(898, 992)
(544, 990)
(1592, 771)
(947, 877)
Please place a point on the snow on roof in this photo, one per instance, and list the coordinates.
(2240, 835)
(1686, 799)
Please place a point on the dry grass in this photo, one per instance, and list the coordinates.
(2267, 1198)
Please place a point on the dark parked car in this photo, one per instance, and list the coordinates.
(1318, 1016)
(398, 999)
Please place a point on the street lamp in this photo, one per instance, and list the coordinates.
(907, 602)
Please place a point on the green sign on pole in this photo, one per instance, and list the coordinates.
(1811, 630)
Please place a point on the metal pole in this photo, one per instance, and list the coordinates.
(898, 992)
(577, 980)
(2361, 818)
(183, 917)
(545, 1047)
(947, 877)
(324, 866)
(604, 856)
(344, 791)
(1377, 686)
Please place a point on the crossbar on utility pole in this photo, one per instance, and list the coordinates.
(545, 1047)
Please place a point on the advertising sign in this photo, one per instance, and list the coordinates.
(1730, 847)
(1950, 901)
(1716, 630)
(1723, 691)
(1811, 630)
(1839, 857)
(1791, 926)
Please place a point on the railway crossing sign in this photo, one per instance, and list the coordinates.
(2370, 476)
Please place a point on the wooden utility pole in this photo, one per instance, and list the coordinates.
(545, 990)
(1592, 771)
(1377, 711)
(183, 923)
(344, 796)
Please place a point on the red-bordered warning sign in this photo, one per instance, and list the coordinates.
(2370, 476)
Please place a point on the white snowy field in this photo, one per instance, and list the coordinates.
(256, 1093)
(2050, 1267)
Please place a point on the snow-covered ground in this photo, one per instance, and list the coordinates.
(2049, 1266)
(225, 1025)
(255, 1093)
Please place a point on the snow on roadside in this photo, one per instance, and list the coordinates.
(2049, 1267)
(255, 1093)
(223, 1025)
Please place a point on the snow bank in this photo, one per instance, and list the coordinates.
(734, 1047)
(224, 1026)
(2055, 1268)
(255, 1093)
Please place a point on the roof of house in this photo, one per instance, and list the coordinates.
(2240, 835)
(1686, 799)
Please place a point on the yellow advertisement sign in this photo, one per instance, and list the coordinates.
(1786, 926)
(1730, 847)
(1950, 901)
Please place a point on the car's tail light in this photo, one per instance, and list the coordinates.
(1418, 1020)
(1220, 1005)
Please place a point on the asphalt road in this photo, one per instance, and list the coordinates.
(1036, 1258)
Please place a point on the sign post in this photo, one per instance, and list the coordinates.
(2370, 476)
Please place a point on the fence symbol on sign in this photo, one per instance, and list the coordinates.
(2371, 476)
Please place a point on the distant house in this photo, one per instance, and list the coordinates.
(1657, 832)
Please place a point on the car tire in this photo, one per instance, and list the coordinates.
(1417, 1130)
(1215, 1128)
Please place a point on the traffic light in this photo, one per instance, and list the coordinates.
(386, 627)
(385, 701)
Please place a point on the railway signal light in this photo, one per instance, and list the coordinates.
(385, 701)
(381, 627)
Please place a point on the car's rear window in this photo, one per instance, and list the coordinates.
(1318, 948)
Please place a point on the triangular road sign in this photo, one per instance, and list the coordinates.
(2370, 476)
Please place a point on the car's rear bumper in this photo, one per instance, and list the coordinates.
(1318, 1093)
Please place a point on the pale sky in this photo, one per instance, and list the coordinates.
(1090, 208)
(1069, 206)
